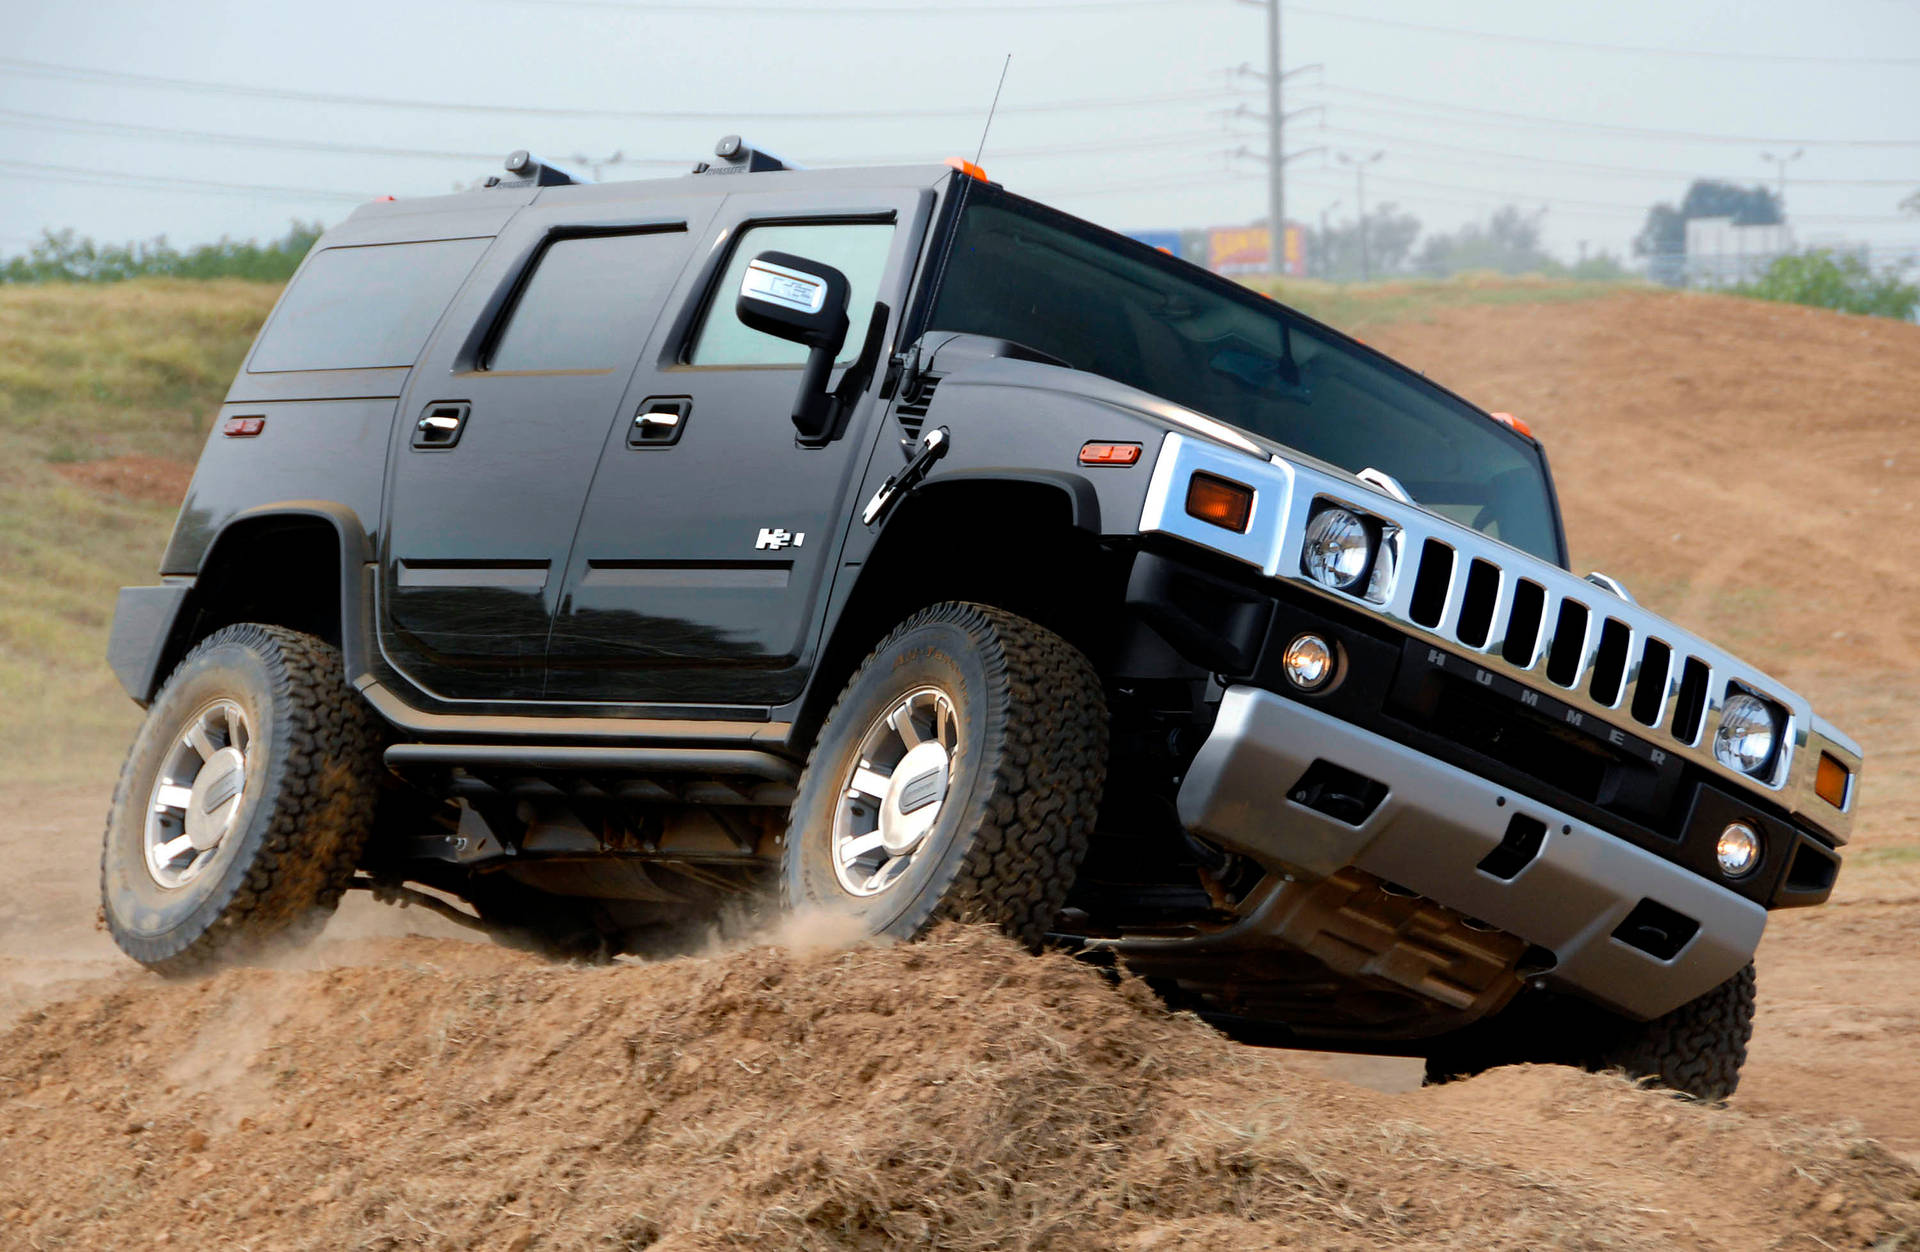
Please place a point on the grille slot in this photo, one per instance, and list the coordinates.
(1650, 690)
(1690, 710)
(1430, 585)
(1569, 644)
(1610, 662)
(911, 410)
(1523, 624)
(1477, 605)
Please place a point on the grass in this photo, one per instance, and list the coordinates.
(88, 372)
(1355, 307)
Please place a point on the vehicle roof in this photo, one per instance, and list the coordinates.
(689, 186)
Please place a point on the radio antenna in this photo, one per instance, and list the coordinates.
(990, 108)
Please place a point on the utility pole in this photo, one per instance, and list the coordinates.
(1360, 200)
(1325, 257)
(1276, 154)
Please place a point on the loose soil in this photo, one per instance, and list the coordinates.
(150, 478)
(1745, 468)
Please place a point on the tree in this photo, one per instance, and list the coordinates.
(1508, 242)
(1663, 239)
(1824, 280)
(1335, 254)
(61, 256)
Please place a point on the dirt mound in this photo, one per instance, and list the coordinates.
(151, 478)
(956, 1092)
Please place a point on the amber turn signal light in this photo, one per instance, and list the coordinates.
(1109, 453)
(1221, 501)
(1830, 782)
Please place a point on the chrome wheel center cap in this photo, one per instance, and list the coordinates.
(217, 792)
(915, 793)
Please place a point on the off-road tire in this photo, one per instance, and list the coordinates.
(307, 810)
(1696, 1050)
(1027, 775)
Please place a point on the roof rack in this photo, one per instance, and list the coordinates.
(530, 171)
(739, 157)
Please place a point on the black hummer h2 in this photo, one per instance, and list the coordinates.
(601, 554)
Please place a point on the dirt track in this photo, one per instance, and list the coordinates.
(1719, 456)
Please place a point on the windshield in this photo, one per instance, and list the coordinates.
(1116, 308)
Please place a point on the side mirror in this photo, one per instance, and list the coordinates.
(804, 302)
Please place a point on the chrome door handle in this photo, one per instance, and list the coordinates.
(660, 422)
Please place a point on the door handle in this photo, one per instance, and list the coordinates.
(659, 422)
(441, 425)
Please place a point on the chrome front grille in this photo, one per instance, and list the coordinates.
(1611, 662)
(1581, 649)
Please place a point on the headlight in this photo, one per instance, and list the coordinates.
(1337, 550)
(1749, 732)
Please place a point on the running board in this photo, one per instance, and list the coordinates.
(732, 762)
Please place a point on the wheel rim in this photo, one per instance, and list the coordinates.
(892, 797)
(198, 795)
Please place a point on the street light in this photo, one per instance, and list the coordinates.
(1783, 162)
(1360, 165)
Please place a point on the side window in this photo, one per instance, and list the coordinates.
(858, 250)
(589, 302)
(364, 307)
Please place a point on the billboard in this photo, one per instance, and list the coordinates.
(1243, 250)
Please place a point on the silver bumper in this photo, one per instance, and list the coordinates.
(1430, 833)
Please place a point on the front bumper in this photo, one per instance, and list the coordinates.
(1627, 929)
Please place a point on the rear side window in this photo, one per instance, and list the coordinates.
(364, 307)
(858, 250)
(589, 302)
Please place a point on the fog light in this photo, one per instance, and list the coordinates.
(1308, 662)
(1738, 850)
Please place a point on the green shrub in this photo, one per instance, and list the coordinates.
(1827, 281)
(61, 256)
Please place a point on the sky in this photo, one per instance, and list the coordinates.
(197, 119)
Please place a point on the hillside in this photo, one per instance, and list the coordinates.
(1743, 467)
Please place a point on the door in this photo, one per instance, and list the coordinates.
(499, 434)
(703, 554)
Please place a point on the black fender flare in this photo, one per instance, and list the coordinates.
(153, 625)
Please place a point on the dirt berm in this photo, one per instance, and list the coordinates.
(1746, 468)
(956, 1093)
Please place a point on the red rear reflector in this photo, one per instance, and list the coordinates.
(1510, 421)
(242, 427)
(1109, 453)
(1220, 501)
(1830, 782)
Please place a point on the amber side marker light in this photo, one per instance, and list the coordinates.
(1109, 453)
(1830, 782)
(1222, 501)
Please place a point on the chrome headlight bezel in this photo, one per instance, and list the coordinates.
(1376, 541)
(1749, 735)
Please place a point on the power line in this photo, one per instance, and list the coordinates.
(82, 74)
(1428, 106)
(51, 121)
(1613, 171)
(1582, 45)
(158, 182)
(816, 11)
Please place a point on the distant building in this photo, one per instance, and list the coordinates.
(1722, 254)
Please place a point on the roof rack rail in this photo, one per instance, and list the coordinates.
(739, 157)
(530, 171)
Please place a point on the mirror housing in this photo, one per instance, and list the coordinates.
(803, 302)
